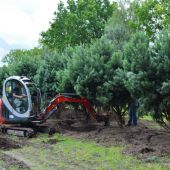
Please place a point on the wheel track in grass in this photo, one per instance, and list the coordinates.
(10, 161)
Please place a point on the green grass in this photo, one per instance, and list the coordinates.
(147, 117)
(72, 154)
(152, 122)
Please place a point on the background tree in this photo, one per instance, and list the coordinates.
(160, 62)
(23, 62)
(4, 73)
(77, 22)
(15, 56)
(136, 65)
(150, 16)
(117, 30)
(46, 74)
(94, 72)
(148, 71)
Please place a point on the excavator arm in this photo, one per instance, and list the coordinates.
(55, 104)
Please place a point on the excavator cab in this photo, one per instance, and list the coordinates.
(21, 100)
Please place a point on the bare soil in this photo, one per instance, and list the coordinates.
(7, 144)
(145, 140)
(142, 140)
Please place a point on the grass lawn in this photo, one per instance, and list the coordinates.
(65, 153)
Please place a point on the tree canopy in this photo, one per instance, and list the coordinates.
(150, 15)
(78, 22)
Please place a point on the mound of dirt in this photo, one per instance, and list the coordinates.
(71, 120)
(7, 144)
(70, 116)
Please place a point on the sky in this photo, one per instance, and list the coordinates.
(22, 21)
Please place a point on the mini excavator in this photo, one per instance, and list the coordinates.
(20, 107)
